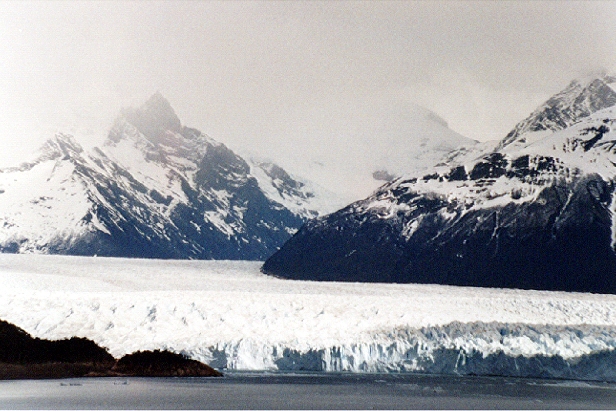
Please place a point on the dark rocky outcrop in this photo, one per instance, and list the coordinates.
(18, 347)
(161, 364)
(24, 357)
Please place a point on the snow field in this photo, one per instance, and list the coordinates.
(232, 316)
(38, 209)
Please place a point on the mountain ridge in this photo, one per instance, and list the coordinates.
(579, 99)
(154, 189)
(536, 214)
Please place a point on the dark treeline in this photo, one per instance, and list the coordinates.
(23, 357)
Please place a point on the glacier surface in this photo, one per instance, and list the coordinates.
(230, 315)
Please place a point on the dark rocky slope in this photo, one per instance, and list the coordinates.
(24, 357)
(559, 242)
(537, 214)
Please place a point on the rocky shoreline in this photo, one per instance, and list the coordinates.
(25, 357)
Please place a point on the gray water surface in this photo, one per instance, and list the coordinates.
(307, 391)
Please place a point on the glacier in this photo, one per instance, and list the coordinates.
(228, 314)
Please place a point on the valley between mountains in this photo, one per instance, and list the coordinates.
(426, 274)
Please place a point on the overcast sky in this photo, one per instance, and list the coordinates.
(259, 74)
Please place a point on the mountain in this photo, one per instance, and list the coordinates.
(154, 189)
(536, 212)
(580, 99)
(384, 141)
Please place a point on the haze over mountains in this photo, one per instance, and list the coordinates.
(158, 189)
(391, 139)
(538, 211)
(534, 210)
(155, 189)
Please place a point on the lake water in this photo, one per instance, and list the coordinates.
(306, 391)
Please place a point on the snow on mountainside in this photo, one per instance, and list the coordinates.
(580, 99)
(538, 212)
(411, 139)
(155, 188)
(229, 315)
(390, 140)
(301, 196)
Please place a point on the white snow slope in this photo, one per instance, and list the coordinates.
(230, 315)
(393, 139)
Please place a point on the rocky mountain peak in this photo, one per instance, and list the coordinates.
(61, 145)
(581, 98)
(154, 118)
(154, 189)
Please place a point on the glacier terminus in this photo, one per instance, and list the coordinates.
(228, 314)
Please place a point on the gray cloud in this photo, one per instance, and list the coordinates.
(291, 74)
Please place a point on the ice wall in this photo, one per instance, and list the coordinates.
(231, 316)
(517, 350)
(581, 352)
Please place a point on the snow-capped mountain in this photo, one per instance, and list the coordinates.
(410, 138)
(390, 139)
(155, 188)
(537, 212)
(580, 99)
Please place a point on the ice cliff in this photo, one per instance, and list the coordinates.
(231, 316)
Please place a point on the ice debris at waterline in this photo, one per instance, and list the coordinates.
(231, 316)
